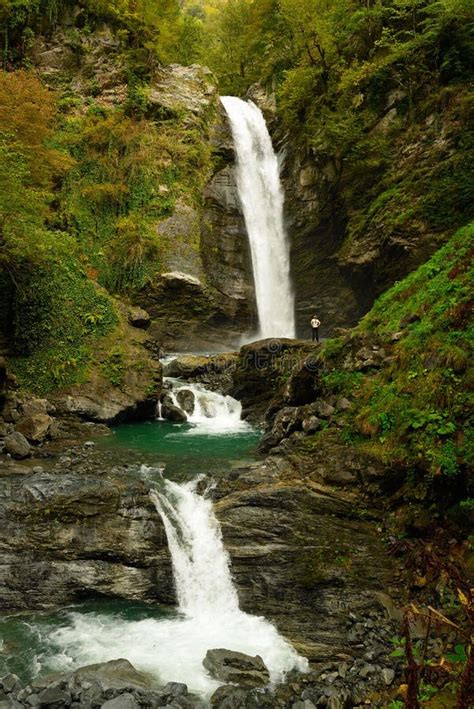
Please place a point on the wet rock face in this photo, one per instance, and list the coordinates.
(66, 535)
(303, 554)
(172, 412)
(186, 313)
(263, 370)
(224, 241)
(316, 234)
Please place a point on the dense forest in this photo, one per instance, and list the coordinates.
(112, 142)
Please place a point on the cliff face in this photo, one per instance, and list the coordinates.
(356, 230)
(224, 241)
(149, 194)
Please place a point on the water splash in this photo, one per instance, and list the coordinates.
(262, 199)
(213, 413)
(210, 617)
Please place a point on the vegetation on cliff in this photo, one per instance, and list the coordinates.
(374, 107)
(412, 405)
(93, 159)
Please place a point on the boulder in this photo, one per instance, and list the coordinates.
(186, 366)
(230, 697)
(343, 404)
(311, 424)
(324, 409)
(123, 701)
(10, 683)
(186, 399)
(17, 445)
(170, 411)
(54, 697)
(138, 317)
(35, 427)
(33, 406)
(230, 666)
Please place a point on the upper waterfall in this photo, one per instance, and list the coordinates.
(261, 195)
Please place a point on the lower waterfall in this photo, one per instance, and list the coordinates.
(212, 413)
(172, 649)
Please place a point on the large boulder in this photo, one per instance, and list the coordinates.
(123, 386)
(139, 318)
(186, 366)
(35, 428)
(17, 445)
(272, 373)
(186, 400)
(230, 666)
(170, 411)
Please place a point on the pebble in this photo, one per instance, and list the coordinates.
(388, 675)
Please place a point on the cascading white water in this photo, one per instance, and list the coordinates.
(261, 195)
(213, 413)
(173, 649)
(200, 562)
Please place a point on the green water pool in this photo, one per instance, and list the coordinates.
(183, 450)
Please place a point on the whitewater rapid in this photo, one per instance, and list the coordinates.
(262, 199)
(209, 614)
(213, 413)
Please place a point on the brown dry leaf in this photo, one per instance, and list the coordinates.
(402, 690)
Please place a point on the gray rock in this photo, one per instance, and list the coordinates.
(343, 404)
(124, 701)
(185, 398)
(172, 412)
(231, 697)
(30, 407)
(54, 697)
(388, 675)
(367, 670)
(174, 689)
(35, 428)
(33, 700)
(10, 703)
(17, 445)
(311, 424)
(11, 683)
(138, 317)
(229, 666)
(325, 410)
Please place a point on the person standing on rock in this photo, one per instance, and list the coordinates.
(315, 323)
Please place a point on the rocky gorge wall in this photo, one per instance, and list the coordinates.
(355, 230)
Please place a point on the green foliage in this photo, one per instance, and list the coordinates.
(58, 316)
(129, 174)
(114, 367)
(158, 26)
(416, 409)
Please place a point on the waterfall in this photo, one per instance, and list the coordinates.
(261, 195)
(212, 413)
(173, 648)
(200, 562)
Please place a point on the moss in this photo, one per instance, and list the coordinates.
(59, 316)
(415, 410)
